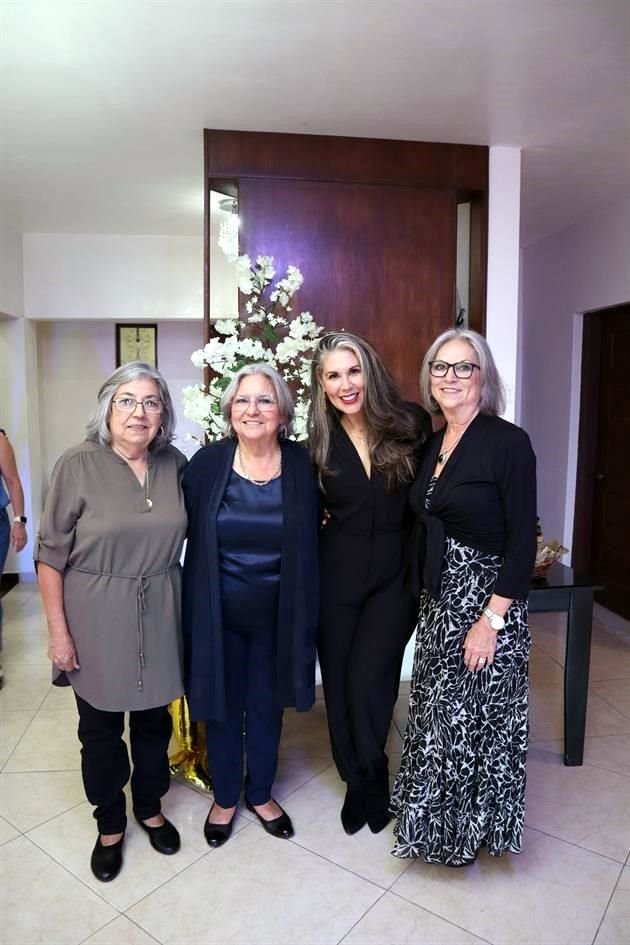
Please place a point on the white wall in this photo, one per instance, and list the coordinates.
(11, 287)
(582, 268)
(69, 275)
(73, 360)
(502, 310)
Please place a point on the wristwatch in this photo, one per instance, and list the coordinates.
(496, 620)
(20, 520)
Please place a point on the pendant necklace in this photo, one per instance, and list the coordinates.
(147, 501)
(258, 482)
(444, 454)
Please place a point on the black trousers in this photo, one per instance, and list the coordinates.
(365, 624)
(105, 762)
(253, 722)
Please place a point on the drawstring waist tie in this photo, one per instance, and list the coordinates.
(142, 585)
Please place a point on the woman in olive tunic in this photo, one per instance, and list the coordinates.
(108, 549)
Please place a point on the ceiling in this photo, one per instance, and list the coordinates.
(103, 102)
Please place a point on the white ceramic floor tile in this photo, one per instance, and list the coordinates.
(611, 752)
(543, 670)
(25, 686)
(315, 810)
(7, 831)
(584, 805)
(40, 902)
(12, 728)
(28, 799)
(293, 773)
(257, 890)
(49, 744)
(305, 734)
(546, 716)
(394, 921)
(122, 931)
(610, 655)
(71, 837)
(59, 699)
(553, 893)
(615, 928)
(21, 646)
(616, 692)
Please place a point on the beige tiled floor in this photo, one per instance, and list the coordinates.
(571, 885)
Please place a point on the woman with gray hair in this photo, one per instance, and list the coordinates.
(250, 595)
(461, 783)
(108, 551)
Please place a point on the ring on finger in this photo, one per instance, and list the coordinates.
(481, 660)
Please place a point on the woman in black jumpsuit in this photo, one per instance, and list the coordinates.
(364, 440)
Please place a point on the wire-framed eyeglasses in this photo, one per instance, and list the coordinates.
(129, 404)
(461, 369)
(262, 401)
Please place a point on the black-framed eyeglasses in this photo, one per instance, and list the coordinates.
(461, 369)
(129, 404)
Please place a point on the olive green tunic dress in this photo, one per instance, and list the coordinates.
(119, 556)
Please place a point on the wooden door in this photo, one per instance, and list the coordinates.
(610, 546)
(376, 260)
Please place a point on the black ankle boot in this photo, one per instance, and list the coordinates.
(377, 803)
(353, 812)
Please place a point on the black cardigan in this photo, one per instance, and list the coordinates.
(204, 483)
(484, 498)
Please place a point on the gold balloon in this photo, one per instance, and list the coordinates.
(191, 761)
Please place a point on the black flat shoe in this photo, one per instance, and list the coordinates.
(164, 839)
(217, 834)
(278, 827)
(353, 814)
(106, 862)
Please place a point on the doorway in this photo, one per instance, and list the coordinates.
(602, 511)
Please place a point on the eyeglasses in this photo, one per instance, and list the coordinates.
(461, 369)
(262, 401)
(129, 404)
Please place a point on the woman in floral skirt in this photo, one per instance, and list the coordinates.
(461, 782)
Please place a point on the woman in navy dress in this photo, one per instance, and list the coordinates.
(364, 439)
(250, 595)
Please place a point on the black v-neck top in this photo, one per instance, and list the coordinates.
(484, 498)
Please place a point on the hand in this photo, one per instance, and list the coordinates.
(480, 643)
(18, 536)
(61, 652)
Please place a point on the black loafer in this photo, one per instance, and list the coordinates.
(353, 812)
(164, 839)
(217, 834)
(106, 862)
(278, 827)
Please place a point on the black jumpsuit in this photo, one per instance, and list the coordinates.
(366, 614)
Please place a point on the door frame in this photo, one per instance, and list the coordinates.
(590, 377)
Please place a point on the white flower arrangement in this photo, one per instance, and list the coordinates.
(266, 335)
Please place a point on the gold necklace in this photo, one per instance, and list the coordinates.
(147, 500)
(258, 482)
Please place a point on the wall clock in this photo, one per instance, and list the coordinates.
(136, 343)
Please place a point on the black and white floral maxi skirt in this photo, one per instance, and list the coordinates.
(461, 782)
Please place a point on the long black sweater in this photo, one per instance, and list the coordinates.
(484, 498)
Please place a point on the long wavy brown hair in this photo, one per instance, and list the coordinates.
(394, 429)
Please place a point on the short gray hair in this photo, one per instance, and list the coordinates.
(492, 399)
(98, 425)
(282, 391)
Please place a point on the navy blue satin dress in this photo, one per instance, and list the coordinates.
(249, 530)
(249, 533)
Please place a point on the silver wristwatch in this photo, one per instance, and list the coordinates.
(496, 620)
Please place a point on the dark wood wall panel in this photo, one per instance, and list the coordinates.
(366, 160)
(378, 260)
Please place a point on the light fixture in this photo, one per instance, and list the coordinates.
(228, 228)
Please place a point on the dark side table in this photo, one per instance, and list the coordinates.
(563, 590)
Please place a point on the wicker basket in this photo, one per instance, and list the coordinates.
(546, 555)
